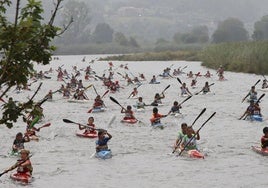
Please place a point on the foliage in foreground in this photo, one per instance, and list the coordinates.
(23, 42)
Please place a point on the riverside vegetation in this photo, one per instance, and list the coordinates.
(248, 57)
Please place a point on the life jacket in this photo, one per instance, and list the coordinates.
(28, 169)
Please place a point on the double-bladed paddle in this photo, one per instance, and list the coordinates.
(69, 121)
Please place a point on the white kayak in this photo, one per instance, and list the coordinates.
(77, 101)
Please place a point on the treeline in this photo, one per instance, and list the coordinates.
(249, 57)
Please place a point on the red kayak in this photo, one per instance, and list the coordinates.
(21, 177)
(131, 121)
(195, 154)
(260, 150)
(87, 135)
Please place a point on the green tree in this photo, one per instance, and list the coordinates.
(230, 30)
(23, 42)
(79, 31)
(103, 33)
(261, 29)
(132, 42)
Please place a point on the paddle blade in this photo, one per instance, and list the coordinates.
(105, 93)
(114, 100)
(46, 125)
(179, 81)
(67, 121)
(165, 88)
(202, 112)
(257, 82)
(90, 110)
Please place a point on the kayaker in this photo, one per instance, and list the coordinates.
(180, 136)
(155, 119)
(175, 108)
(24, 165)
(30, 130)
(49, 96)
(88, 130)
(129, 114)
(193, 83)
(264, 138)
(190, 74)
(264, 84)
(185, 90)
(252, 94)
(101, 143)
(188, 141)
(153, 80)
(134, 92)
(98, 103)
(19, 141)
(206, 88)
(207, 75)
(220, 72)
(157, 99)
(252, 109)
(140, 104)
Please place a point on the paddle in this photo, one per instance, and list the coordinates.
(90, 110)
(15, 166)
(69, 121)
(115, 101)
(196, 134)
(165, 88)
(95, 90)
(132, 92)
(249, 93)
(179, 81)
(203, 89)
(264, 77)
(46, 125)
(202, 112)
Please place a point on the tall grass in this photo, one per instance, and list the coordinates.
(249, 57)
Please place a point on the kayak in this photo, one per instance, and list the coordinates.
(105, 154)
(140, 110)
(87, 135)
(259, 150)
(158, 125)
(193, 154)
(154, 82)
(21, 177)
(131, 121)
(255, 118)
(96, 110)
(77, 101)
(176, 114)
(14, 153)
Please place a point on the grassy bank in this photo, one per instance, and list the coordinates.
(249, 57)
(157, 56)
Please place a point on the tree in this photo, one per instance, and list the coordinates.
(120, 39)
(79, 31)
(103, 33)
(230, 30)
(23, 42)
(261, 29)
(198, 34)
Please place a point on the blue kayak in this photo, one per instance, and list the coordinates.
(96, 110)
(158, 125)
(256, 118)
(104, 154)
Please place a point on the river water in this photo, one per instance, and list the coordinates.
(142, 155)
